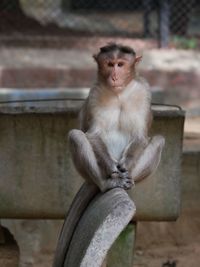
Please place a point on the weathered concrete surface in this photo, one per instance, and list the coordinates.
(123, 246)
(80, 203)
(165, 184)
(42, 176)
(102, 222)
(34, 158)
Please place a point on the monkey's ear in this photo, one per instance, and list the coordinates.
(138, 59)
(95, 56)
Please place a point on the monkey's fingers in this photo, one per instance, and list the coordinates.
(126, 183)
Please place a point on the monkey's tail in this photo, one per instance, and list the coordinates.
(82, 199)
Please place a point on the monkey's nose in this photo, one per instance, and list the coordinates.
(114, 78)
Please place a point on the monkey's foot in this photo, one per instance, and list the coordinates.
(118, 179)
(120, 174)
(127, 183)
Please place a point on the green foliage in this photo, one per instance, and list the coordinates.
(185, 43)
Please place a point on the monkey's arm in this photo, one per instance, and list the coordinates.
(84, 117)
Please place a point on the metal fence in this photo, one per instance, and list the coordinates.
(168, 21)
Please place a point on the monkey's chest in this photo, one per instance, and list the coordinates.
(120, 121)
(116, 141)
(117, 129)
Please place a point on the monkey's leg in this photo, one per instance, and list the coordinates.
(132, 152)
(107, 164)
(104, 159)
(86, 162)
(146, 160)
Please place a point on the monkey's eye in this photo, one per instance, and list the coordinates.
(110, 64)
(120, 64)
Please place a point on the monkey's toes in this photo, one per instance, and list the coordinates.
(115, 175)
(128, 184)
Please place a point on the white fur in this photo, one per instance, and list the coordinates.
(119, 118)
(116, 142)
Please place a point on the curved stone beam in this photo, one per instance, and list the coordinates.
(102, 222)
(80, 202)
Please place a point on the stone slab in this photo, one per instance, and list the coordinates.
(35, 160)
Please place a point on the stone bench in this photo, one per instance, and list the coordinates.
(38, 179)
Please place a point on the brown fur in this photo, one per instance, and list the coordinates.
(113, 149)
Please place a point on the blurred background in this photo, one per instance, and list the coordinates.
(48, 44)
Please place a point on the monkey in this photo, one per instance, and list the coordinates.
(112, 147)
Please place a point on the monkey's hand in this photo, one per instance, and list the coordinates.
(120, 179)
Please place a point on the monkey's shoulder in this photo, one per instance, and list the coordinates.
(89, 109)
(99, 98)
(142, 85)
(85, 116)
(137, 92)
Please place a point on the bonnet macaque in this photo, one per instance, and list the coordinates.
(112, 148)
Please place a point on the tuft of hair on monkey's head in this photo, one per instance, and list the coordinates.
(114, 47)
(110, 47)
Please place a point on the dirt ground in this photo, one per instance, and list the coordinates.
(168, 256)
(156, 256)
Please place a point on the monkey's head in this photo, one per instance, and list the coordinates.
(116, 66)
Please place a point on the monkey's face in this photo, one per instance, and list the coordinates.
(116, 71)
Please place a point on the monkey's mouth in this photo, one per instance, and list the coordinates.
(116, 88)
(116, 85)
